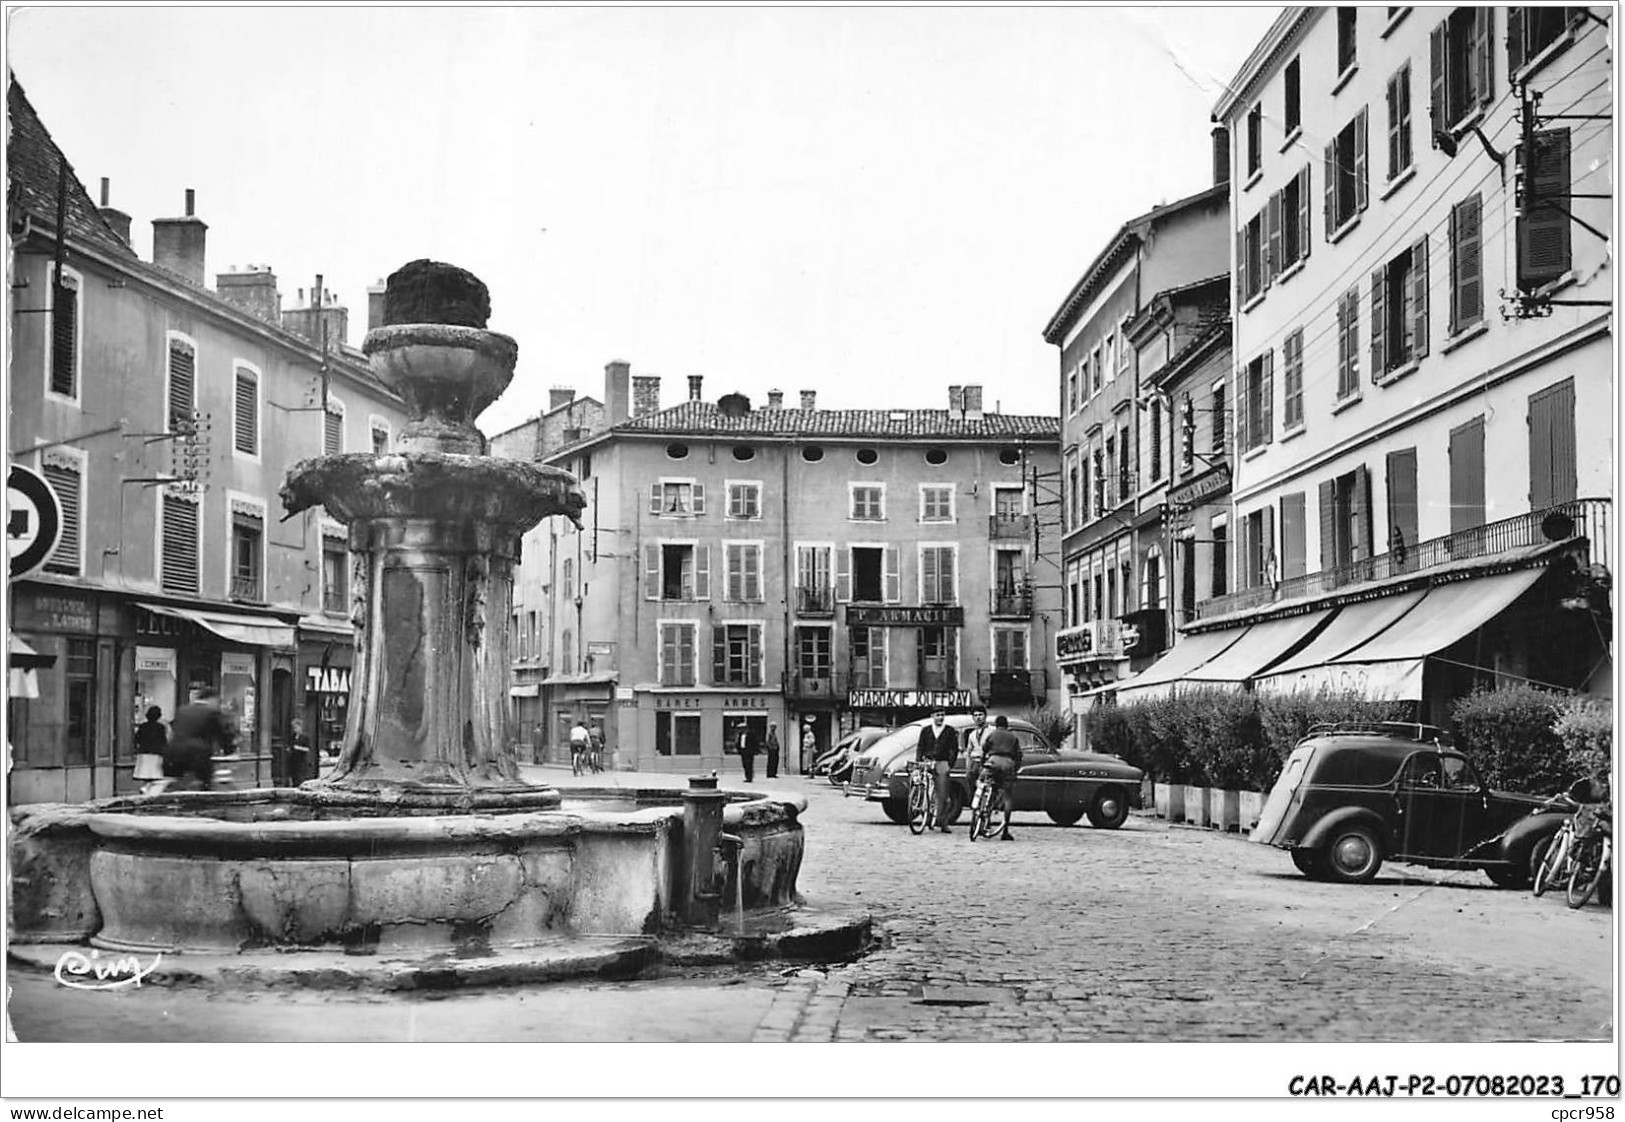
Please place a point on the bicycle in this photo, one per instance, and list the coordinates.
(922, 802)
(1592, 858)
(981, 806)
(578, 757)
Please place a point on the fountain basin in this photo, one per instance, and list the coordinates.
(300, 870)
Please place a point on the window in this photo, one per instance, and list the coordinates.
(245, 434)
(676, 571)
(812, 454)
(66, 334)
(1009, 650)
(182, 391)
(677, 733)
(1258, 402)
(813, 652)
(744, 500)
(1348, 344)
(869, 574)
(335, 576)
(815, 590)
(1544, 249)
(64, 470)
(1097, 497)
(677, 451)
(736, 654)
(1466, 264)
(380, 436)
(743, 452)
(1346, 179)
(1187, 428)
(936, 503)
(937, 578)
(1258, 544)
(1151, 595)
(247, 552)
(677, 654)
(1104, 482)
(1007, 504)
(1155, 451)
(1250, 260)
(583, 466)
(567, 578)
(1292, 113)
(1399, 122)
(1255, 139)
(1076, 614)
(1187, 580)
(869, 657)
(567, 651)
(1294, 531)
(1094, 371)
(744, 579)
(1346, 40)
(79, 733)
(1072, 388)
(178, 540)
(1531, 30)
(1467, 476)
(333, 427)
(866, 456)
(1219, 436)
(1099, 583)
(1221, 559)
(1078, 487)
(868, 502)
(1292, 380)
(936, 658)
(1551, 446)
(1402, 510)
(1010, 591)
(1345, 519)
(1460, 55)
(1289, 223)
(676, 498)
(1399, 310)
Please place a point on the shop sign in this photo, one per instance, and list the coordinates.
(240, 664)
(756, 703)
(938, 616)
(1097, 639)
(676, 701)
(329, 679)
(908, 699)
(56, 613)
(1202, 487)
(154, 660)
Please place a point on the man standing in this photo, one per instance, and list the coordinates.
(747, 751)
(1004, 759)
(974, 737)
(198, 732)
(939, 745)
(299, 756)
(772, 751)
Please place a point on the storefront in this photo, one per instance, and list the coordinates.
(890, 708)
(697, 730)
(590, 699)
(325, 664)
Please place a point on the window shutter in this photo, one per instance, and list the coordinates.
(179, 571)
(928, 576)
(1393, 126)
(1401, 500)
(65, 481)
(651, 572)
(731, 581)
(654, 498)
(894, 574)
(1268, 426)
(702, 572)
(1514, 40)
(753, 571)
(1565, 484)
(332, 432)
(1543, 232)
(843, 573)
(1329, 213)
(182, 385)
(948, 586)
(1419, 298)
(1379, 322)
(1468, 279)
(1360, 514)
(753, 656)
(1360, 178)
(1303, 212)
(1272, 563)
(64, 338)
(1467, 476)
(1436, 58)
(1272, 220)
(246, 414)
(699, 498)
(1484, 53)
(1328, 523)
(719, 654)
(1551, 446)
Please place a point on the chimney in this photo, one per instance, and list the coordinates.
(1221, 155)
(117, 219)
(775, 399)
(694, 386)
(307, 322)
(375, 305)
(973, 403)
(645, 395)
(809, 400)
(956, 403)
(253, 290)
(177, 244)
(617, 394)
(559, 396)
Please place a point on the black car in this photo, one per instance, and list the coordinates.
(1352, 797)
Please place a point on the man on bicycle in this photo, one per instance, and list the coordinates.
(973, 742)
(1002, 757)
(580, 746)
(938, 747)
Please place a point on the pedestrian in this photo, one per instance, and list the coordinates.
(939, 746)
(747, 752)
(299, 755)
(772, 751)
(974, 737)
(580, 747)
(198, 733)
(151, 738)
(1003, 753)
(809, 749)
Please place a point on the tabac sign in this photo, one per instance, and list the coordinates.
(908, 699)
(943, 615)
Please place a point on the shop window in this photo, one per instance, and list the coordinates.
(736, 654)
(79, 729)
(677, 734)
(677, 654)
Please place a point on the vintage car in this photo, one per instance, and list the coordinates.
(1064, 785)
(837, 761)
(1350, 797)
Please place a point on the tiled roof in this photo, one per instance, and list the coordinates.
(33, 163)
(700, 418)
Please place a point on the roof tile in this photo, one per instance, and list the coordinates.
(697, 418)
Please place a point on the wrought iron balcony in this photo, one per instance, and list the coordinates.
(815, 600)
(1012, 687)
(1582, 518)
(245, 588)
(1010, 527)
(809, 687)
(1013, 600)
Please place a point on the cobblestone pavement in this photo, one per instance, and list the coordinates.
(1148, 933)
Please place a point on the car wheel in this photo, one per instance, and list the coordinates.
(955, 805)
(1065, 817)
(1109, 809)
(1509, 876)
(1353, 855)
(896, 810)
(1308, 863)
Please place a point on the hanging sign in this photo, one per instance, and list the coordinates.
(33, 521)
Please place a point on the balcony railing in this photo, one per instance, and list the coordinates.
(1012, 687)
(1582, 518)
(1009, 527)
(1013, 600)
(245, 588)
(810, 687)
(815, 600)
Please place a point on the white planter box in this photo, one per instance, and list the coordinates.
(1196, 807)
(1170, 801)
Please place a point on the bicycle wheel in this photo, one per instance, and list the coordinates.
(1550, 870)
(930, 788)
(979, 812)
(917, 808)
(1589, 869)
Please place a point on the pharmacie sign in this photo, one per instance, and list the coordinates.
(943, 615)
(908, 699)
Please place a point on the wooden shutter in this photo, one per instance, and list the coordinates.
(1272, 226)
(753, 656)
(1241, 266)
(67, 483)
(1267, 428)
(654, 498)
(1393, 126)
(1360, 147)
(332, 432)
(182, 384)
(1467, 476)
(843, 573)
(1419, 298)
(1436, 77)
(1352, 297)
(1484, 53)
(1402, 512)
(651, 572)
(1543, 232)
(1303, 212)
(1328, 527)
(733, 578)
(948, 585)
(1552, 470)
(750, 557)
(1467, 261)
(702, 572)
(1514, 40)
(699, 498)
(1360, 513)
(64, 338)
(179, 563)
(719, 654)
(1329, 213)
(893, 591)
(929, 576)
(1379, 322)
(1272, 572)
(246, 414)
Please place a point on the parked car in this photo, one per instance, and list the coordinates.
(1064, 785)
(1351, 797)
(836, 762)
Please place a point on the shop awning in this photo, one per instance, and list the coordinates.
(253, 631)
(22, 661)
(1355, 624)
(1388, 666)
(1263, 644)
(591, 678)
(1158, 679)
(326, 625)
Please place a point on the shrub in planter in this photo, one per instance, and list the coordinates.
(1111, 730)
(1508, 734)
(1052, 724)
(1224, 734)
(1287, 719)
(1166, 746)
(1586, 728)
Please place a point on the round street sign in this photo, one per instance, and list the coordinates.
(33, 520)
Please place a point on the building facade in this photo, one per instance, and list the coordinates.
(1422, 384)
(802, 568)
(164, 416)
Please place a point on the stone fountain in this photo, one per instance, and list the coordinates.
(425, 855)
